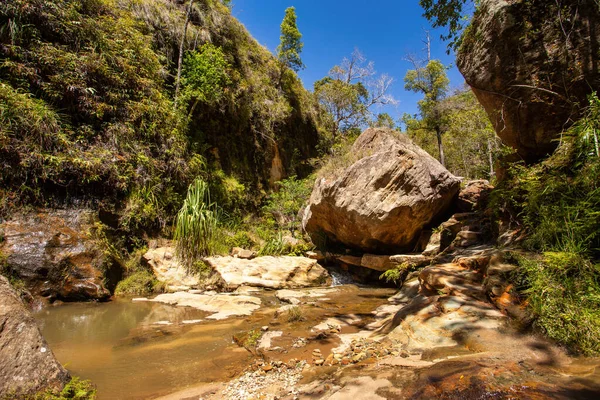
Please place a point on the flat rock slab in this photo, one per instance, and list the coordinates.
(221, 305)
(295, 296)
(270, 272)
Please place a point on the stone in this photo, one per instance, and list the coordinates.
(28, 365)
(55, 254)
(267, 337)
(382, 202)
(473, 196)
(221, 305)
(238, 252)
(168, 269)
(316, 255)
(269, 272)
(532, 77)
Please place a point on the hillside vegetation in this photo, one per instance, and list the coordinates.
(87, 111)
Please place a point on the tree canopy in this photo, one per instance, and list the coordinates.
(451, 14)
(290, 45)
(430, 80)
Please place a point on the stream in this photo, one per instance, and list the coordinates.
(141, 350)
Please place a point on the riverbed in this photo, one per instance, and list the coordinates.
(142, 350)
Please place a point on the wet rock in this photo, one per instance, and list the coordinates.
(221, 305)
(168, 269)
(382, 202)
(238, 252)
(531, 72)
(28, 365)
(269, 272)
(55, 254)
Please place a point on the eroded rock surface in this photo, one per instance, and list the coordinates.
(532, 64)
(221, 305)
(54, 253)
(27, 364)
(382, 202)
(168, 269)
(269, 272)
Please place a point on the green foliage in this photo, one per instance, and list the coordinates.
(197, 224)
(83, 108)
(205, 76)
(471, 146)
(141, 283)
(76, 389)
(274, 246)
(563, 290)
(285, 204)
(290, 45)
(383, 120)
(252, 338)
(451, 14)
(397, 275)
(431, 81)
(348, 93)
(558, 202)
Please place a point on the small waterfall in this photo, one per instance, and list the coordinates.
(340, 277)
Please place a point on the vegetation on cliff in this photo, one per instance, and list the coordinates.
(87, 111)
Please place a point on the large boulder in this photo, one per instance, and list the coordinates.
(55, 254)
(532, 64)
(269, 272)
(382, 202)
(27, 364)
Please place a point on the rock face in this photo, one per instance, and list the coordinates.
(168, 270)
(532, 66)
(28, 365)
(269, 272)
(54, 253)
(381, 203)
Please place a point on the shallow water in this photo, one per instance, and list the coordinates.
(120, 347)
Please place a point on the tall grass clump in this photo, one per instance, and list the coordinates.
(558, 202)
(197, 225)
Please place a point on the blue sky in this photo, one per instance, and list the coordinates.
(384, 31)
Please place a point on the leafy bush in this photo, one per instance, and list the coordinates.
(141, 283)
(286, 202)
(197, 225)
(563, 290)
(294, 314)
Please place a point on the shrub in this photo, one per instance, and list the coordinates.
(141, 283)
(563, 290)
(284, 204)
(197, 225)
(294, 314)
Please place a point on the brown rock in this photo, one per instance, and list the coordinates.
(28, 365)
(474, 195)
(381, 203)
(532, 67)
(55, 254)
(238, 252)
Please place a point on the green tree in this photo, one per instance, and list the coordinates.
(350, 91)
(290, 45)
(384, 120)
(430, 80)
(452, 14)
(205, 76)
(471, 146)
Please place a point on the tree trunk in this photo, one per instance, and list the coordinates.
(438, 133)
(491, 159)
(180, 60)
